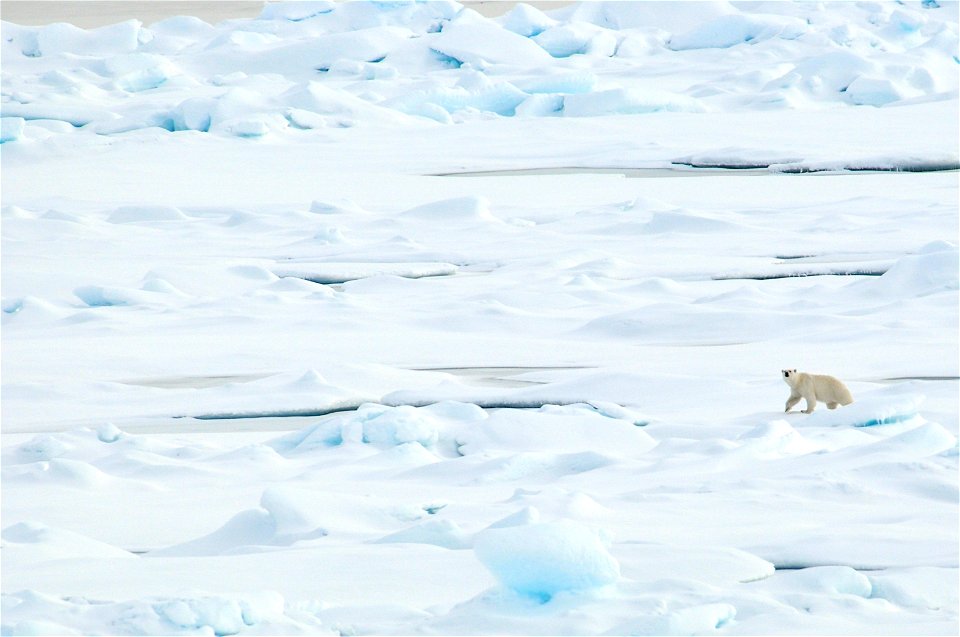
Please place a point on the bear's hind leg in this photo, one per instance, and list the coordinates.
(832, 405)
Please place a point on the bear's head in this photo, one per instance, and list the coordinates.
(789, 376)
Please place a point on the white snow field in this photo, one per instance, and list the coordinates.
(390, 318)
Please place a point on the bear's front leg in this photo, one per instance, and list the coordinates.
(793, 400)
(811, 404)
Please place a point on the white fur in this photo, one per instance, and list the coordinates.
(814, 387)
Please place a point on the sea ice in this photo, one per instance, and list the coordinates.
(297, 309)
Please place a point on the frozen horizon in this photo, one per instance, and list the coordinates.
(394, 318)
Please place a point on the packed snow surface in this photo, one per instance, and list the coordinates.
(390, 318)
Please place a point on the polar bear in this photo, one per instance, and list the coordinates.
(814, 387)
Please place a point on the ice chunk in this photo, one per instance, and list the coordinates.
(401, 425)
(826, 75)
(139, 71)
(622, 101)
(255, 125)
(11, 129)
(577, 37)
(483, 43)
(194, 114)
(541, 560)
(108, 432)
(245, 113)
(382, 426)
(501, 98)
(873, 91)
(541, 105)
(61, 37)
(525, 20)
(325, 100)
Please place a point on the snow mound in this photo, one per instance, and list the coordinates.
(204, 615)
(11, 129)
(921, 587)
(70, 113)
(61, 471)
(687, 222)
(279, 521)
(775, 439)
(541, 560)
(565, 82)
(918, 275)
(628, 101)
(541, 466)
(341, 206)
(44, 542)
(139, 214)
(472, 208)
(672, 17)
(444, 533)
(153, 292)
(569, 429)
(704, 619)
(834, 580)
(730, 30)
